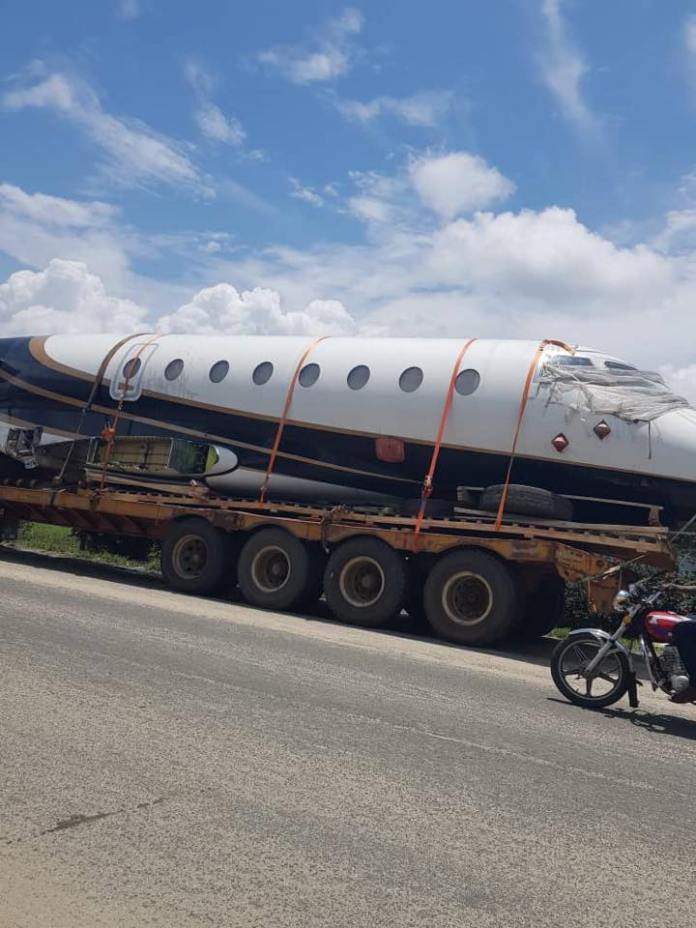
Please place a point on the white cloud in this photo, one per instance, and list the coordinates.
(134, 153)
(213, 123)
(547, 258)
(563, 69)
(380, 198)
(690, 34)
(458, 183)
(222, 308)
(689, 38)
(40, 207)
(447, 185)
(426, 109)
(327, 57)
(216, 126)
(307, 194)
(67, 298)
(128, 9)
(681, 379)
(35, 227)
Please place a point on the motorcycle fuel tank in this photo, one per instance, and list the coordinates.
(660, 624)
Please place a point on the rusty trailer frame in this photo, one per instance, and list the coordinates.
(575, 551)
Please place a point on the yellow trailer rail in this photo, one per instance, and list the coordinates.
(535, 553)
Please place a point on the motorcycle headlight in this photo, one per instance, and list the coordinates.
(621, 599)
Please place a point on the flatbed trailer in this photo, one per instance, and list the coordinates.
(474, 580)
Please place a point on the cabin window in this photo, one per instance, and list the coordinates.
(411, 379)
(572, 360)
(262, 373)
(219, 371)
(358, 377)
(131, 368)
(619, 366)
(174, 369)
(467, 382)
(309, 375)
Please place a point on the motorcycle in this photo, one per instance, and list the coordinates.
(594, 669)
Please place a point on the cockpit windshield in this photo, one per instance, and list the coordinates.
(605, 386)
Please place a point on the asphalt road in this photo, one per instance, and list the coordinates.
(173, 761)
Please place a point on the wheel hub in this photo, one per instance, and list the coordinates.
(362, 582)
(190, 556)
(467, 598)
(271, 569)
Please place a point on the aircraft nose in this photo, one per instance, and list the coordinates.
(673, 458)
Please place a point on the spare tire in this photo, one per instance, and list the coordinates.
(527, 501)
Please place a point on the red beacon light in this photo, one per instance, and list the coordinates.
(560, 442)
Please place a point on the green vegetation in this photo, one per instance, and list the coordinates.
(577, 612)
(58, 539)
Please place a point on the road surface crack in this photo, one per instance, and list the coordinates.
(78, 818)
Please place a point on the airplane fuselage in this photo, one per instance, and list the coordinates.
(352, 394)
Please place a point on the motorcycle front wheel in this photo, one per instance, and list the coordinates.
(608, 683)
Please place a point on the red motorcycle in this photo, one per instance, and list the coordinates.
(594, 669)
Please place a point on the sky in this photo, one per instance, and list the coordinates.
(491, 168)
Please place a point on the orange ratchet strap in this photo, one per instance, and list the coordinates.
(284, 414)
(428, 479)
(109, 431)
(520, 416)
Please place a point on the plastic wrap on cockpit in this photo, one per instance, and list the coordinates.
(634, 395)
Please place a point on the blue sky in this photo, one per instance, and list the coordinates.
(516, 166)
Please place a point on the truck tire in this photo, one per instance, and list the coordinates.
(276, 570)
(194, 556)
(471, 597)
(365, 583)
(543, 608)
(527, 501)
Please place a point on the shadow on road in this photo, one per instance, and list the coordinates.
(535, 652)
(656, 723)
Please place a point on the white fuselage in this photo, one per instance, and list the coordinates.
(483, 422)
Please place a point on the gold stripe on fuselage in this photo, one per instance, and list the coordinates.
(208, 436)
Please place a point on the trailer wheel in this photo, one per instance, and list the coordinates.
(365, 582)
(543, 609)
(277, 571)
(471, 597)
(194, 556)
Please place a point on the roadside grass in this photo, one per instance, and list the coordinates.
(58, 539)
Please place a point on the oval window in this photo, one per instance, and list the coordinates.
(219, 371)
(411, 379)
(309, 375)
(467, 382)
(131, 368)
(174, 369)
(262, 373)
(358, 377)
